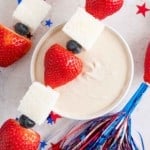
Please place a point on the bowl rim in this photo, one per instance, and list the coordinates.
(111, 107)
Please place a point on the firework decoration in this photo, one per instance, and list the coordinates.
(110, 132)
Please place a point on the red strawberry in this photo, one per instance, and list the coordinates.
(147, 65)
(15, 137)
(12, 46)
(103, 8)
(61, 66)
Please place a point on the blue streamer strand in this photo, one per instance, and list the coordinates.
(142, 142)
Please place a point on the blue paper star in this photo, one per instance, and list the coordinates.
(19, 1)
(49, 120)
(48, 23)
(43, 145)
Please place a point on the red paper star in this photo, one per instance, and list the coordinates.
(54, 116)
(142, 9)
(55, 146)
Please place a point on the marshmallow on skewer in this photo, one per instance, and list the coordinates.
(31, 13)
(38, 102)
(83, 28)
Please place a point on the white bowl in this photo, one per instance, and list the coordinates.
(70, 108)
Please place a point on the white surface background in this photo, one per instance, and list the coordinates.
(15, 80)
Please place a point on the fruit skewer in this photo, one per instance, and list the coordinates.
(15, 44)
(34, 107)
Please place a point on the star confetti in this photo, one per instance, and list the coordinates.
(47, 23)
(19, 1)
(29, 35)
(52, 118)
(49, 120)
(43, 145)
(17, 118)
(55, 146)
(142, 9)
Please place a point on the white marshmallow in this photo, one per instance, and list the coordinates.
(31, 13)
(38, 102)
(83, 28)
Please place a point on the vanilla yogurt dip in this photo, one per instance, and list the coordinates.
(104, 81)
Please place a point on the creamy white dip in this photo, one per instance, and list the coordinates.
(104, 80)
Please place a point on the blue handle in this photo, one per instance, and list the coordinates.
(126, 111)
(135, 99)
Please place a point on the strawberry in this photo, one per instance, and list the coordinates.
(103, 8)
(61, 66)
(12, 46)
(147, 65)
(15, 137)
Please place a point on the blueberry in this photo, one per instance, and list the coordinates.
(21, 29)
(26, 122)
(74, 46)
